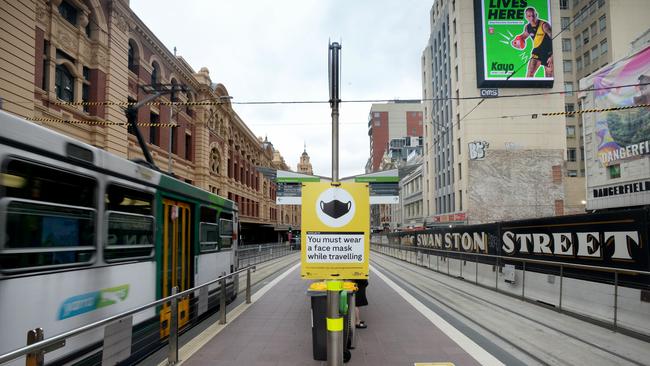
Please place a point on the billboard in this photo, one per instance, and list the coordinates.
(514, 46)
(622, 134)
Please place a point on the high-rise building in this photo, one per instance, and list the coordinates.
(488, 159)
(594, 33)
(391, 121)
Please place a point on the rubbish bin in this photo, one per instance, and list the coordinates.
(318, 293)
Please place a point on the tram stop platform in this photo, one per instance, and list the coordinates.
(276, 330)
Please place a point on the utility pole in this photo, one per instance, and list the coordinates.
(334, 318)
(172, 99)
(131, 112)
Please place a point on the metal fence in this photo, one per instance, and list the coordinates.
(478, 267)
(121, 336)
(252, 254)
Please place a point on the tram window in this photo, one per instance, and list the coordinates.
(118, 198)
(49, 217)
(225, 231)
(209, 236)
(209, 230)
(130, 226)
(40, 234)
(38, 182)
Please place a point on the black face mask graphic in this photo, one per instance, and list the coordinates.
(335, 208)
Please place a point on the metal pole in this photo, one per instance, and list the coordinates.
(222, 303)
(615, 299)
(476, 270)
(335, 77)
(523, 282)
(561, 280)
(36, 358)
(172, 358)
(248, 285)
(334, 324)
(171, 128)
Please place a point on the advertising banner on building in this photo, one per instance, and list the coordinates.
(623, 133)
(514, 43)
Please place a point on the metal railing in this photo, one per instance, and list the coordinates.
(36, 350)
(252, 254)
(406, 252)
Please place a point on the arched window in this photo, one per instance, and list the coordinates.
(155, 73)
(64, 83)
(133, 57)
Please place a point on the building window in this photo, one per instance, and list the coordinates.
(570, 131)
(564, 4)
(569, 107)
(602, 22)
(568, 66)
(85, 89)
(572, 173)
(174, 132)
(566, 44)
(579, 63)
(68, 12)
(594, 53)
(154, 73)
(614, 171)
(568, 88)
(188, 147)
(154, 137)
(603, 47)
(586, 58)
(578, 40)
(460, 172)
(601, 3)
(592, 8)
(565, 21)
(133, 56)
(585, 36)
(131, 118)
(571, 154)
(593, 28)
(64, 83)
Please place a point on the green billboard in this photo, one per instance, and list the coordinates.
(514, 42)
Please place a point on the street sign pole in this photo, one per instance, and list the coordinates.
(334, 287)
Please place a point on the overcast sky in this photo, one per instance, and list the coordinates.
(277, 51)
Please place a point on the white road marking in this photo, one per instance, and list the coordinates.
(202, 339)
(477, 352)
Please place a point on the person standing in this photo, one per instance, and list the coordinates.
(542, 53)
(360, 299)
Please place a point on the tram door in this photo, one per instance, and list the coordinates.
(175, 260)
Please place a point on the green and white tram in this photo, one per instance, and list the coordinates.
(85, 234)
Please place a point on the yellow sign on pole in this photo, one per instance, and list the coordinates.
(335, 231)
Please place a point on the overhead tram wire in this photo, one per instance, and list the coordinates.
(211, 103)
(148, 124)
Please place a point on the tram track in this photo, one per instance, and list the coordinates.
(559, 345)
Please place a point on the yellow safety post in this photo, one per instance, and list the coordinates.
(334, 324)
